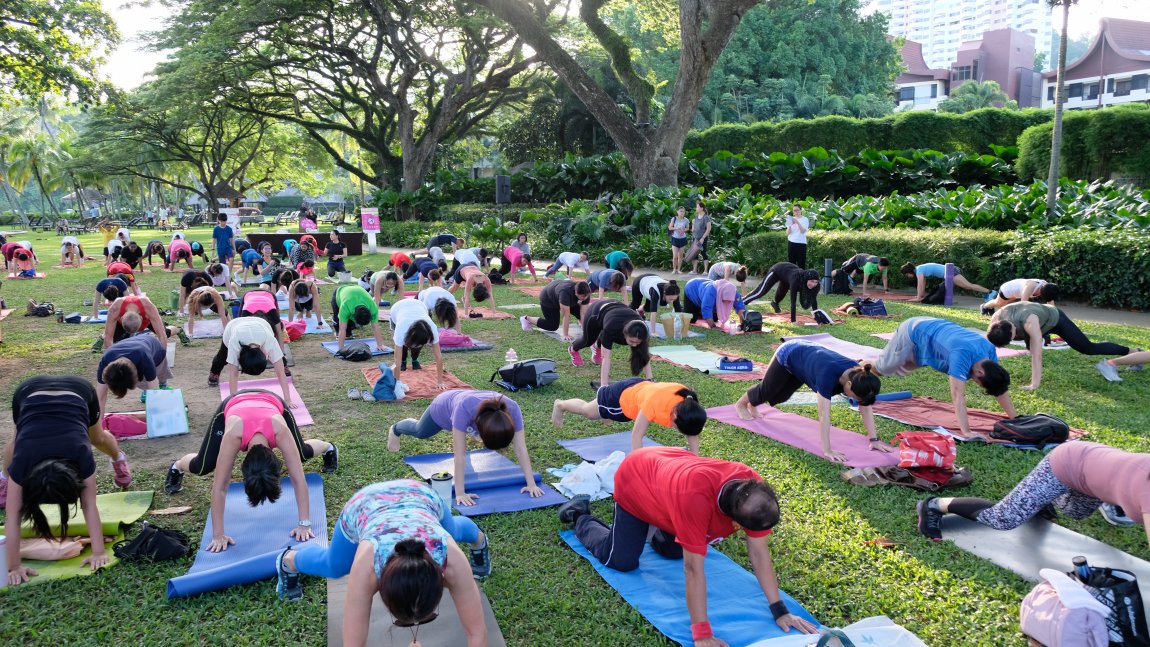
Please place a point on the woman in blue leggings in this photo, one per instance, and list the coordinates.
(398, 539)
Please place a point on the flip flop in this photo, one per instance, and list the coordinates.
(353, 393)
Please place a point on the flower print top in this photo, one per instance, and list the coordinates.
(390, 512)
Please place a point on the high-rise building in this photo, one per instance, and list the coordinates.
(943, 25)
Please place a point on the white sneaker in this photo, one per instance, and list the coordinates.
(525, 324)
(1109, 372)
(1115, 515)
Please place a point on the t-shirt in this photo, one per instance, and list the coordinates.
(456, 409)
(104, 284)
(179, 246)
(349, 297)
(795, 235)
(1013, 288)
(424, 265)
(258, 301)
(334, 249)
(390, 512)
(119, 268)
(720, 270)
(614, 258)
(223, 277)
(144, 351)
(573, 260)
(703, 293)
(559, 293)
(1115, 476)
(819, 368)
(678, 492)
(931, 270)
(404, 314)
(949, 348)
(679, 226)
(223, 237)
(651, 287)
(399, 258)
(655, 400)
(69, 239)
(437, 255)
(1018, 312)
(514, 256)
(434, 295)
(52, 416)
(245, 331)
(699, 226)
(601, 280)
(523, 247)
(614, 317)
(250, 257)
(189, 276)
(131, 255)
(442, 240)
(466, 256)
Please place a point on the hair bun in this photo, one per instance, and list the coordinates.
(410, 547)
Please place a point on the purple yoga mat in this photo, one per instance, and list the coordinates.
(841, 346)
(803, 433)
(1002, 352)
(302, 416)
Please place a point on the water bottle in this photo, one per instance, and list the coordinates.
(511, 356)
(1081, 568)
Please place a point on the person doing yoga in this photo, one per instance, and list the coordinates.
(303, 298)
(870, 266)
(386, 283)
(49, 462)
(489, 417)
(129, 315)
(608, 322)
(1036, 290)
(179, 250)
(1075, 479)
(511, 260)
(351, 307)
(191, 280)
(397, 539)
(690, 502)
(560, 301)
(948, 348)
(1033, 323)
(827, 373)
(108, 290)
(1136, 360)
(71, 252)
(336, 252)
(398, 260)
(802, 284)
(476, 285)
(124, 271)
(569, 261)
(728, 271)
(649, 292)
(643, 401)
(424, 268)
(920, 273)
(603, 281)
(247, 345)
(710, 302)
(412, 329)
(128, 362)
(255, 422)
(207, 297)
(619, 260)
(441, 305)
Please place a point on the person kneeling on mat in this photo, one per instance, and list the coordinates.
(247, 345)
(412, 329)
(1075, 478)
(692, 501)
(802, 284)
(128, 362)
(397, 539)
(352, 306)
(49, 461)
(710, 302)
(493, 418)
(608, 322)
(255, 422)
(642, 401)
(827, 373)
(559, 301)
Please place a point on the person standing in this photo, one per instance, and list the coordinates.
(701, 231)
(222, 238)
(797, 226)
(678, 228)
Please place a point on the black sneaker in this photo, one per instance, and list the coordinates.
(929, 520)
(173, 484)
(331, 459)
(213, 379)
(775, 307)
(415, 365)
(481, 561)
(575, 508)
(287, 584)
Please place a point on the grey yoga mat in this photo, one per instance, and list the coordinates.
(445, 630)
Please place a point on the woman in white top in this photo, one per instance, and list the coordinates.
(1035, 290)
(442, 306)
(797, 226)
(678, 227)
(70, 252)
(412, 329)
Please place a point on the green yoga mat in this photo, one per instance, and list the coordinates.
(687, 355)
(66, 568)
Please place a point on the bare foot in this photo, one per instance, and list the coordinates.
(747, 412)
(392, 440)
(556, 415)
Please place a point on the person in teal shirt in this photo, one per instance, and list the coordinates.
(619, 260)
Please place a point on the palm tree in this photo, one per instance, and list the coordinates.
(973, 95)
(14, 124)
(36, 157)
(1060, 98)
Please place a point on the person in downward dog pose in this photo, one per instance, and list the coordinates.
(802, 284)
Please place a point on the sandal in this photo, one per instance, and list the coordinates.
(353, 393)
(864, 476)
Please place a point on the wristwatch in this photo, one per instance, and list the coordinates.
(305, 523)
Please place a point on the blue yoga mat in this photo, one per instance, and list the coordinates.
(333, 347)
(260, 533)
(596, 448)
(736, 606)
(493, 477)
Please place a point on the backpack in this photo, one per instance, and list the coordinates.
(822, 318)
(153, 544)
(526, 374)
(496, 278)
(869, 307)
(752, 321)
(1057, 613)
(46, 309)
(925, 449)
(356, 351)
(936, 297)
(1041, 429)
(840, 282)
(741, 364)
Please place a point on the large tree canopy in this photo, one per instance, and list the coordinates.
(53, 46)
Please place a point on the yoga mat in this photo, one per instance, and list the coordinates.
(421, 383)
(475, 345)
(926, 412)
(313, 326)
(705, 361)
(333, 346)
(519, 306)
(487, 313)
(444, 630)
(1039, 544)
(595, 448)
(493, 477)
(574, 330)
(261, 533)
(301, 414)
(841, 346)
(101, 319)
(116, 509)
(736, 606)
(1002, 352)
(206, 329)
(65, 568)
(39, 275)
(531, 290)
(803, 433)
(800, 318)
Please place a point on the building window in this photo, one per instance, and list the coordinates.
(1050, 93)
(1075, 91)
(1140, 82)
(906, 94)
(1110, 86)
(1121, 88)
(1092, 92)
(962, 73)
(933, 90)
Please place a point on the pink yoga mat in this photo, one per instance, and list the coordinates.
(302, 416)
(1002, 352)
(841, 346)
(803, 433)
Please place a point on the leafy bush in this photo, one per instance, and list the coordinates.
(1097, 144)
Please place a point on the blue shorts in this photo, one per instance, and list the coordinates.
(607, 397)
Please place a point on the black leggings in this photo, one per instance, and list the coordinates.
(205, 460)
(797, 254)
(769, 281)
(1077, 339)
(778, 385)
(552, 318)
(693, 309)
(592, 326)
(640, 299)
(349, 325)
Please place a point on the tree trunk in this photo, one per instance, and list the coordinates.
(44, 190)
(1059, 99)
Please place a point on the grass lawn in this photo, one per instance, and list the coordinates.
(542, 593)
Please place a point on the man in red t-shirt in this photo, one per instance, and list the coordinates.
(692, 501)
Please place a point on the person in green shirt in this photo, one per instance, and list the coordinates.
(619, 260)
(352, 306)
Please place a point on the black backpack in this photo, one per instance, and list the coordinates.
(153, 544)
(356, 351)
(1118, 590)
(496, 278)
(752, 321)
(840, 282)
(526, 374)
(936, 297)
(1041, 429)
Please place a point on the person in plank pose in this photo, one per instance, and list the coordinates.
(1013, 290)
(642, 401)
(351, 307)
(920, 273)
(870, 265)
(560, 301)
(569, 261)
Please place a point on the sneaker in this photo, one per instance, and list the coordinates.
(985, 309)
(1109, 372)
(525, 324)
(929, 520)
(183, 337)
(331, 460)
(990, 296)
(481, 561)
(775, 307)
(123, 473)
(213, 379)
(98, 345)
(576, 358)
(1115, 515)
(596, 354)
(287, 584)
(1137, 367)
(415, 365)
(174, 482)
(578, 506)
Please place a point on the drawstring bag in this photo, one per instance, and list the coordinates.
(153, 544)
(925, 449)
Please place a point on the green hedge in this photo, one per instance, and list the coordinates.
(1096, 144)
(971, 132)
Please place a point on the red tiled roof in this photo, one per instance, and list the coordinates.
(1129, 38)
(916, 65)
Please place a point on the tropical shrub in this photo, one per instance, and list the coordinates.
(1096, 144)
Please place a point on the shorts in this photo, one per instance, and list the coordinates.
(607, 398)
(679, 242)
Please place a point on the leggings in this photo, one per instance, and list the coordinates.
(769, 281)
(693, 309)
(334, 561)
(797, 254)
(335, 266)
(205, 460)
(777, 385)
(592, 326)
(553, 317)
(619, 545)
(1077, 340)
(1039, 489)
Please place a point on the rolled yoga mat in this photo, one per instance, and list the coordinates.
(493, 477)
(261, 533)
(596, 448)
(302, 415)
(736, 606)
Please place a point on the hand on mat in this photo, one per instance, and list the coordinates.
(464, 498)
(791, 621)
(95, 561)
(711, 642)
(220, 544)
(835, 457)
(20, 574)
(299, 533)
(886, 448)
(533, 490)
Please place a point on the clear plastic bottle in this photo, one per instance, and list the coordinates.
(511, 356)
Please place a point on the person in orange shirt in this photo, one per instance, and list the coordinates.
(642, 401)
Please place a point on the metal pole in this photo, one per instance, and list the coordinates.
(828, 267)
